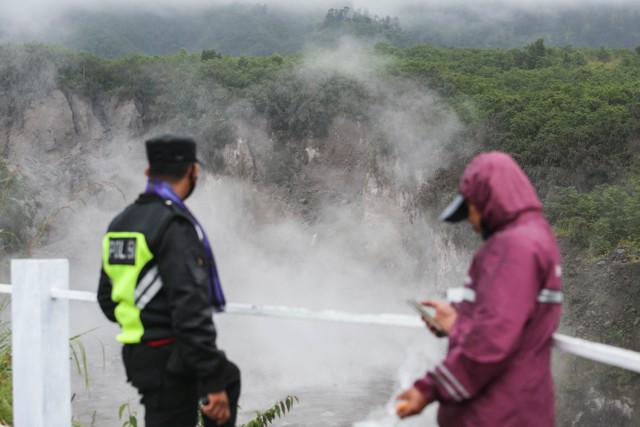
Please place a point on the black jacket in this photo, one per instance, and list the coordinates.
(181, 308)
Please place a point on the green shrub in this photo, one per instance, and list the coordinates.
(598, 220)
(278, 410)
(6, 413)
(17, 212)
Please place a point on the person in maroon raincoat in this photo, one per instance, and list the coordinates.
(500, 324)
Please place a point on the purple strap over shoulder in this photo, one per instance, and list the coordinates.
(214, 290)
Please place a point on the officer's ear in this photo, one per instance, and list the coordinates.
(147, 171)
(192, 171)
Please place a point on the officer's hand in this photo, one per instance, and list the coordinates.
(412, 402)
(217, 408)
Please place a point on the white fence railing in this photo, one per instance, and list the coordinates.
(40, 333)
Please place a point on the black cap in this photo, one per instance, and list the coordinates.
(171, 148)
(456, 211)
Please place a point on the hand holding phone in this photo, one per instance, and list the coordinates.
(431, 322)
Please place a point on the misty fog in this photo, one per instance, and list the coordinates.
(44, 20)
(361, 252)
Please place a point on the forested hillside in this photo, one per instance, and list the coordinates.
(571, 116)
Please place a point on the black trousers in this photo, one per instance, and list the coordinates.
(171, 400)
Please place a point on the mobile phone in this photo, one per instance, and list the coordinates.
(435, 327)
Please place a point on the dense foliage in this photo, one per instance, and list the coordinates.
(361, 25)
(552, 107)
(601, 219)
(569, 116)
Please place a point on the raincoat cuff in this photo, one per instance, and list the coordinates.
(427, 389)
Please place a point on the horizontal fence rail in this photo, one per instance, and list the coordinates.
(379, 319)
(602, 353)
(40, 317)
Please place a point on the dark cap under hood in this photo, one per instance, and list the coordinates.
(498, 187)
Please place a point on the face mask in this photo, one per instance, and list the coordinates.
(192, 186)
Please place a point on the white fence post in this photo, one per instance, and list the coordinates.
(40, 344)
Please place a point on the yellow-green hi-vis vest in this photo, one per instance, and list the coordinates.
(124, 256)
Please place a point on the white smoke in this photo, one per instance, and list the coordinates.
(362, 254)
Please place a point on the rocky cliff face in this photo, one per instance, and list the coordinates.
(601, 305)
(61, 138)
(60, 145)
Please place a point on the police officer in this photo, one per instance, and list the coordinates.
(160, 283)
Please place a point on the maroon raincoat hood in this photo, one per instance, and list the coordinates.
(499, 188)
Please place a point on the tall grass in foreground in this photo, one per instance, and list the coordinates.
(6, 414)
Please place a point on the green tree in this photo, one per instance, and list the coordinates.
(209, 54)
(603, 55)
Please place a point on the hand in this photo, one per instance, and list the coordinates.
(445, 313)
(217, 408)
(412, 402)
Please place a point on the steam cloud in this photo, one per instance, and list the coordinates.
(361, 254)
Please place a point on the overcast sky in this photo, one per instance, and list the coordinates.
(22, 9)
